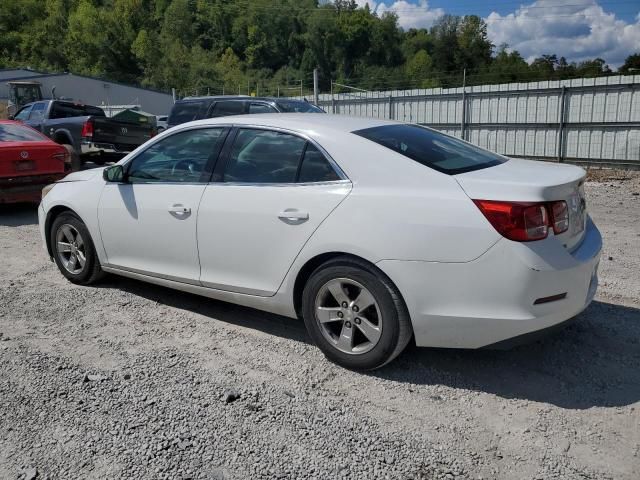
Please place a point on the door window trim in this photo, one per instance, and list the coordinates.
(223, 158)
(205, 176)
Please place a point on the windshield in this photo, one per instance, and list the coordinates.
(297, 106)
(19, 133)
(431, 148)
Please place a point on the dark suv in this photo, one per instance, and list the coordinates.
(196, 108)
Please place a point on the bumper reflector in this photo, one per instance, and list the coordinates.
(552, 298)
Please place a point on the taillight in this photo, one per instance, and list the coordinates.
(522, 222)
(64, 156)
(87, 129)
(559, 216)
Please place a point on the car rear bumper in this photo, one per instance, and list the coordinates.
(91, 148)
(27, 188)
(512, 290)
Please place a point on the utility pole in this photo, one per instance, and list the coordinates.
(315, 86)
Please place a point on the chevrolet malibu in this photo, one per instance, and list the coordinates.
(374, 232)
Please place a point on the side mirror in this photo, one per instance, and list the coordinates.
(10, 117)
(114, 173)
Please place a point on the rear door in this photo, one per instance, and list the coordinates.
(274, 189)
(148, 222)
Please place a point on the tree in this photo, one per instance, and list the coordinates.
(631, 64)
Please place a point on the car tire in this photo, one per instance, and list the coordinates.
(353, 338)
(73, 250)
(75, 161)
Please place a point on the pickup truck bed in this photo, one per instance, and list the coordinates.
(85, 128)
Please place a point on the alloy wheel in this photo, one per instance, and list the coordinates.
(348, 316)
(70, 247)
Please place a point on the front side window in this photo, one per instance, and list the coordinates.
(264, 156)
(23, 114)
(432, 149)
(37, 112)
(228, 108)
(181, 157)
(261, 108)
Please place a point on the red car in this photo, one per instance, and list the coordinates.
(28, 162)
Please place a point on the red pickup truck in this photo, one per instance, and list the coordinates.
(28, 162)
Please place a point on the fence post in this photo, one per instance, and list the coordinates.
(315, 86)
(333, 100)
(561, 122)
(391, 112)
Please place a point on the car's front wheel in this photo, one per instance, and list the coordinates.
(355, 314)
(73, 250)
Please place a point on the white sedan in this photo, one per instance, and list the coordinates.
(374, 232)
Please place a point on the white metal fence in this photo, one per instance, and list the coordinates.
(588, 121)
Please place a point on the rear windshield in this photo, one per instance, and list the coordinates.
(297, 106)
(19, 133)
(68, 110)
(184, 112)
(432, 149)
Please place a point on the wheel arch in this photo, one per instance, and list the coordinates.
(313, 263)
(52, 214)
(63, 137)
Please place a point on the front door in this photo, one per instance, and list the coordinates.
(148, 222)
(274, 191)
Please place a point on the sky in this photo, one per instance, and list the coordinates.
(575, 29)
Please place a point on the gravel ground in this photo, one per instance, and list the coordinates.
(129, 380)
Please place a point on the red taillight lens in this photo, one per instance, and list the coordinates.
(64, 156)
(522, 222)
(559, 217)
(87, 128)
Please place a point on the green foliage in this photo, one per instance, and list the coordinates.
(262, 46)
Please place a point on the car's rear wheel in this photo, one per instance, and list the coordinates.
(355, 314)
(73, 250)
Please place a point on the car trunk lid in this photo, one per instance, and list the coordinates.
(20, 159)
(533, 181)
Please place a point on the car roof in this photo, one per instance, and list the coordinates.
(300, 122)
(239, 97)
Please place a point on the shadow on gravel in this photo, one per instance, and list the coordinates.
(227, 312)
(18, 214)
(594, 362)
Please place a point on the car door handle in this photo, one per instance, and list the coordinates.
(293, 214)
(179, 209)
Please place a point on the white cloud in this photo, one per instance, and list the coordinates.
(410, 15)
(578, 31)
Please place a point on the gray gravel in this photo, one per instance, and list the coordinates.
(129, 380)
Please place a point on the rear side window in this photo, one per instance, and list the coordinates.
(432, 149)
(184, 112)
(261, 108)
(227, 108)
(69, 110)
(297, 106)
(263, 156)
(315, 167)
(19, 133)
